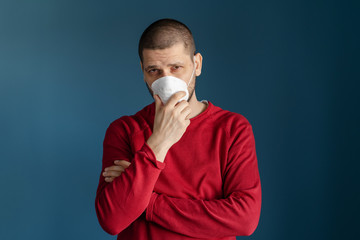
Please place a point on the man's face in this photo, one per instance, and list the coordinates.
(173, 61)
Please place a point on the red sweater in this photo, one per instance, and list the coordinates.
(207, 188)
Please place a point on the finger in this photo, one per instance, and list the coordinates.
(112, 173)
(181, 105)
(123, 163)
(175, 98)
(114, 168)
(186, 112)
(188, 116)
(109, 179)
(158, 101)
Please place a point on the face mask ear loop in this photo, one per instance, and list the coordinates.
(192, 72)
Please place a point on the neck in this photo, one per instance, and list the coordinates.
(196, 106)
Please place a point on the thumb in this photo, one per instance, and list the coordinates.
(157, 100)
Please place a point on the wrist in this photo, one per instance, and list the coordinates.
(158, 146)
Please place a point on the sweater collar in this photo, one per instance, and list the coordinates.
(148, 113)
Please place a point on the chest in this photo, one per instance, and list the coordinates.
(195, 164)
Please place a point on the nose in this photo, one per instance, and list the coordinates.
(164, 73)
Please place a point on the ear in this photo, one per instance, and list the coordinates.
(198, 61)
(141, 65)
(142, 69)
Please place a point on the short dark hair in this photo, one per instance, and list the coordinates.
(165, 33)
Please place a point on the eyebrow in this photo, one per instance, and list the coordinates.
(169, 65)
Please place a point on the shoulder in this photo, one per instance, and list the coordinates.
(238, 129)
(133, 123)
(233, 122)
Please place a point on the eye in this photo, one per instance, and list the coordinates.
(175, 68)
(152, 70)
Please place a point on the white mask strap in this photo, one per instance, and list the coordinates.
(193, 71)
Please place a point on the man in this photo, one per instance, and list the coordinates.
(177, 169)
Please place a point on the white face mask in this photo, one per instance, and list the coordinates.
(166, 86)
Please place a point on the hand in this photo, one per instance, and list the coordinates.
(110, 173)
(170, 123)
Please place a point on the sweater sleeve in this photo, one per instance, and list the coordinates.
(122, 201)
(237, 214)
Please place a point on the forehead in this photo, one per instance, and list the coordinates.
(176, 52)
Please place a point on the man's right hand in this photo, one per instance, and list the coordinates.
(170, 123)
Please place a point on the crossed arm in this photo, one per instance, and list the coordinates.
(237, 214)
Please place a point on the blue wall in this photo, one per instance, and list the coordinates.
(69, 68)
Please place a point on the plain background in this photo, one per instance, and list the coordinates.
(69, 68)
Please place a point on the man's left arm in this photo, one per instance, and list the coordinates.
(236, 215)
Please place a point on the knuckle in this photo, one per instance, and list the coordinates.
(179, 93)
(183, 123)
(166, 108)
(173, 113)
(184, 103)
